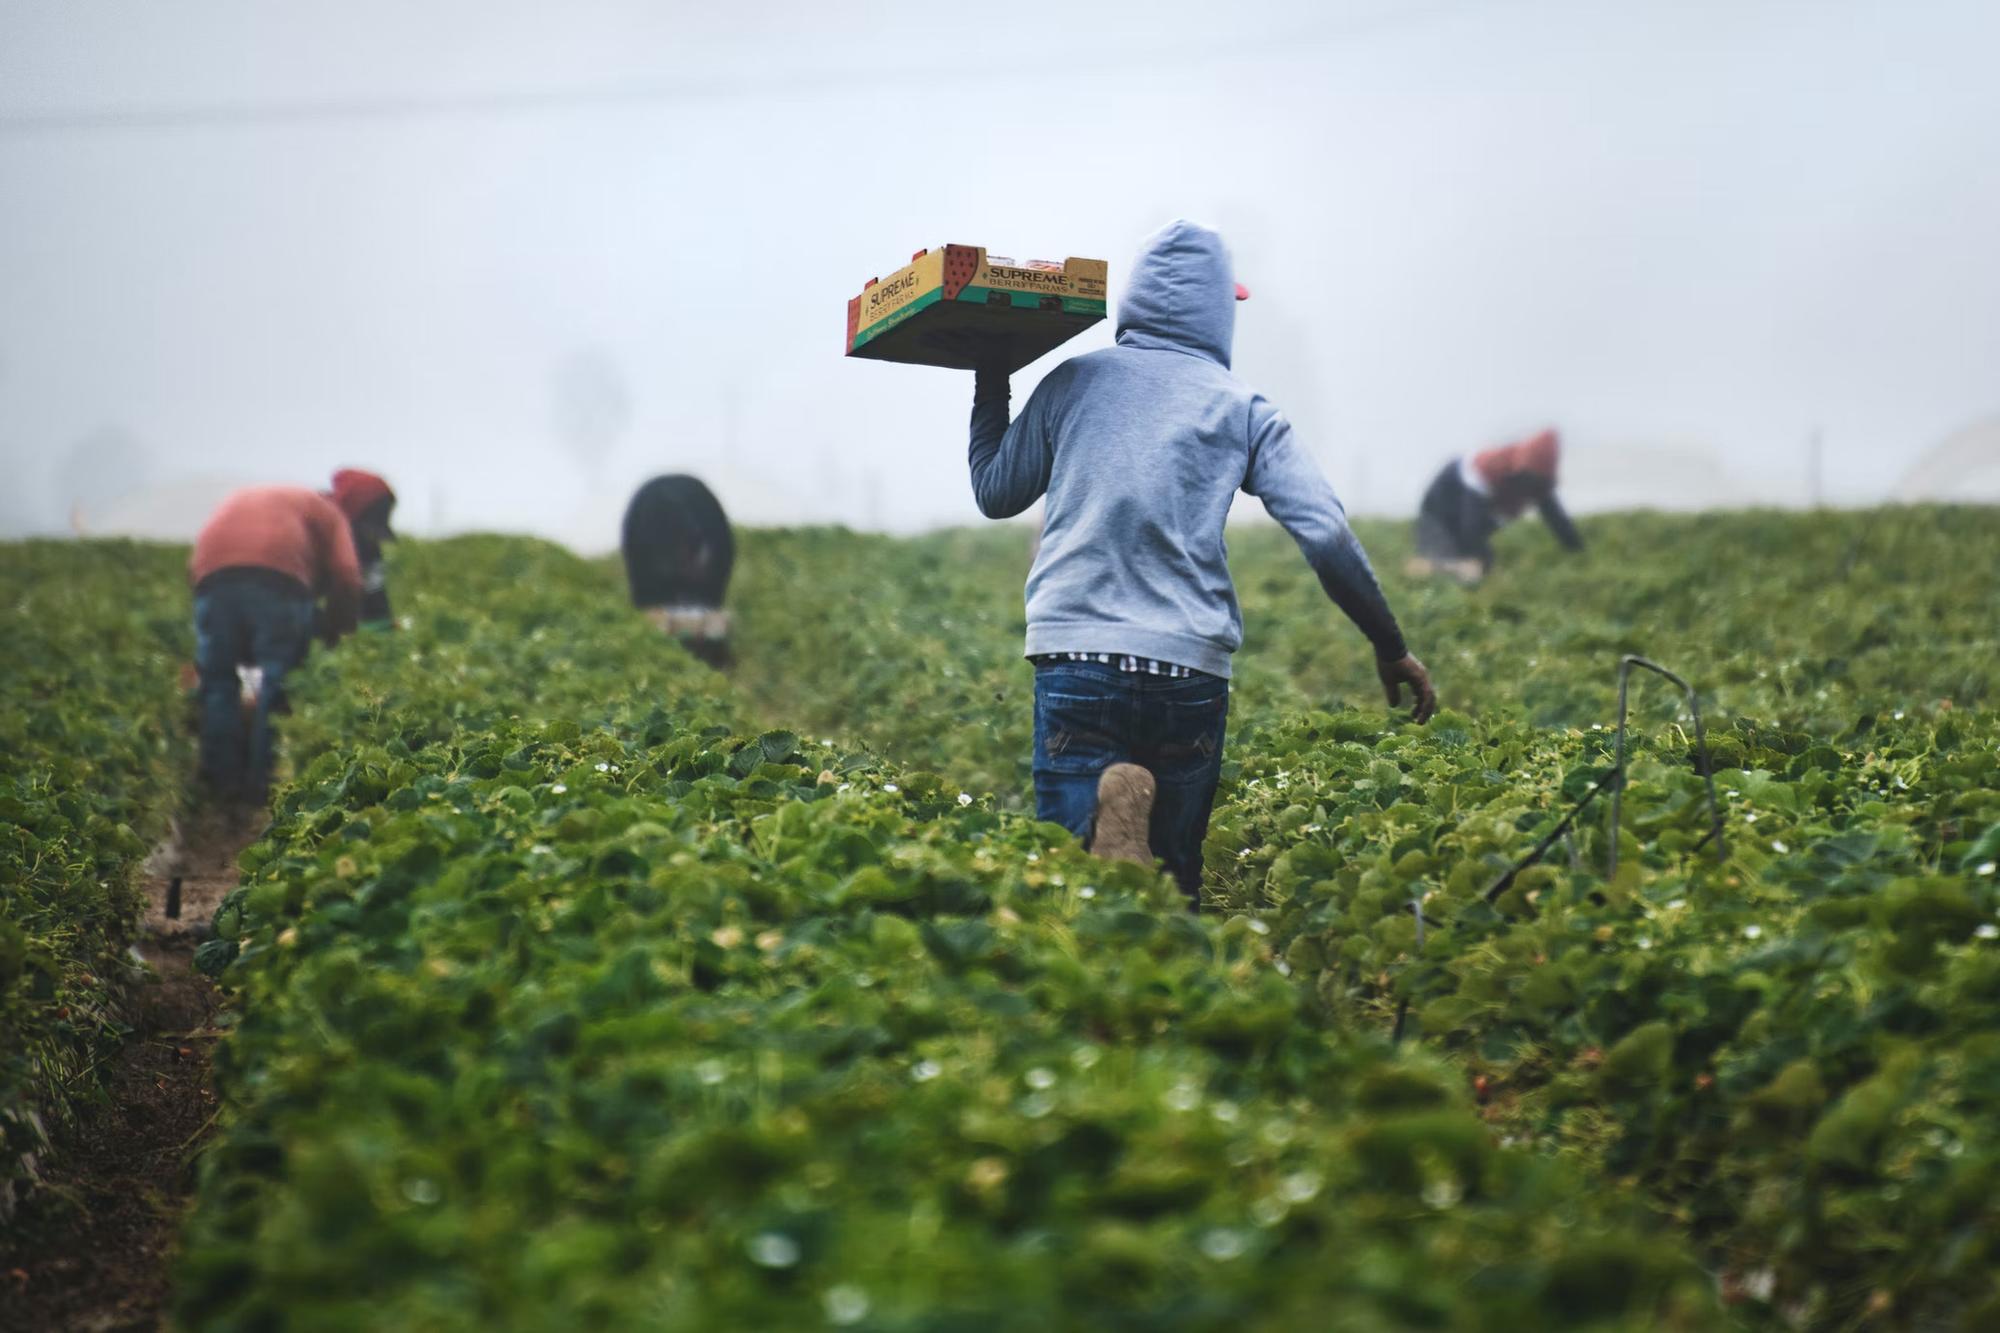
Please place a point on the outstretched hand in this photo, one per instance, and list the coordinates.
(1407, 670)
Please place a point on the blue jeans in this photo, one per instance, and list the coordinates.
(1090, 715)
(245, 618)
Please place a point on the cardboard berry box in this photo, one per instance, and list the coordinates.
(956, 306)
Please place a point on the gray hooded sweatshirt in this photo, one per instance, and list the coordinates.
(1140, 448)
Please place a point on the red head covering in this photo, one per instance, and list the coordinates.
(1534, 457)
(356, 492)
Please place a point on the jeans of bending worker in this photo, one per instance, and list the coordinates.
(245, 617)
(1091, 715)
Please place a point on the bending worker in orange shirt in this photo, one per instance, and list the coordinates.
(262, 561)
(1476, 495)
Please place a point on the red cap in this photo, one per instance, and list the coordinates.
(356, 492)
(1242, 292)
(1535, 456)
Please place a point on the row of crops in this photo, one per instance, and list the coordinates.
(92, 759)
(582, 987)
(589, 1010)
(1808, 622)
(1792, 1053)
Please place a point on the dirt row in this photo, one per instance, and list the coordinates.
(91, 1249)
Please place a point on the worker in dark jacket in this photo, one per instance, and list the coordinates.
(678, 556)
(263, 559)
(368, 503)
(1477, 494)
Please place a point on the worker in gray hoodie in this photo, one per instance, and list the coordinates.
(1132, 617)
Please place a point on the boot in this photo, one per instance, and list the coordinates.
(1124, 815)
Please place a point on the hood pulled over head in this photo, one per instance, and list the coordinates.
(1181, 295)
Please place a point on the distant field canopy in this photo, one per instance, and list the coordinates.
(109, 486)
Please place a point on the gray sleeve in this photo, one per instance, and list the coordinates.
(1010, 463)
(1296, 494)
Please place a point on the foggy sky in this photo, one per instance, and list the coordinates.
(520, 256)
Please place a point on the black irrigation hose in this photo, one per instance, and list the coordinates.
(1614, 779)
(1501, 885)
(1707, 770)
(1540, 849)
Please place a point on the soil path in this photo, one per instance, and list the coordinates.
(92, 1248)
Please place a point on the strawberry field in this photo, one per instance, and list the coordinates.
(580, 986)
(92, 755)
(1791, 1051)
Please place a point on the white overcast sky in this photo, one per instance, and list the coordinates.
(520, 256)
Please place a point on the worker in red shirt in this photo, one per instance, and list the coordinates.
(1476, 494)
(368, 502)
(263, 560)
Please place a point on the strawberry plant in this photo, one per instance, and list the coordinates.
(1790, 1051)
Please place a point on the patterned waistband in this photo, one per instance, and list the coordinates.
(1141, 666)
(697, 622)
